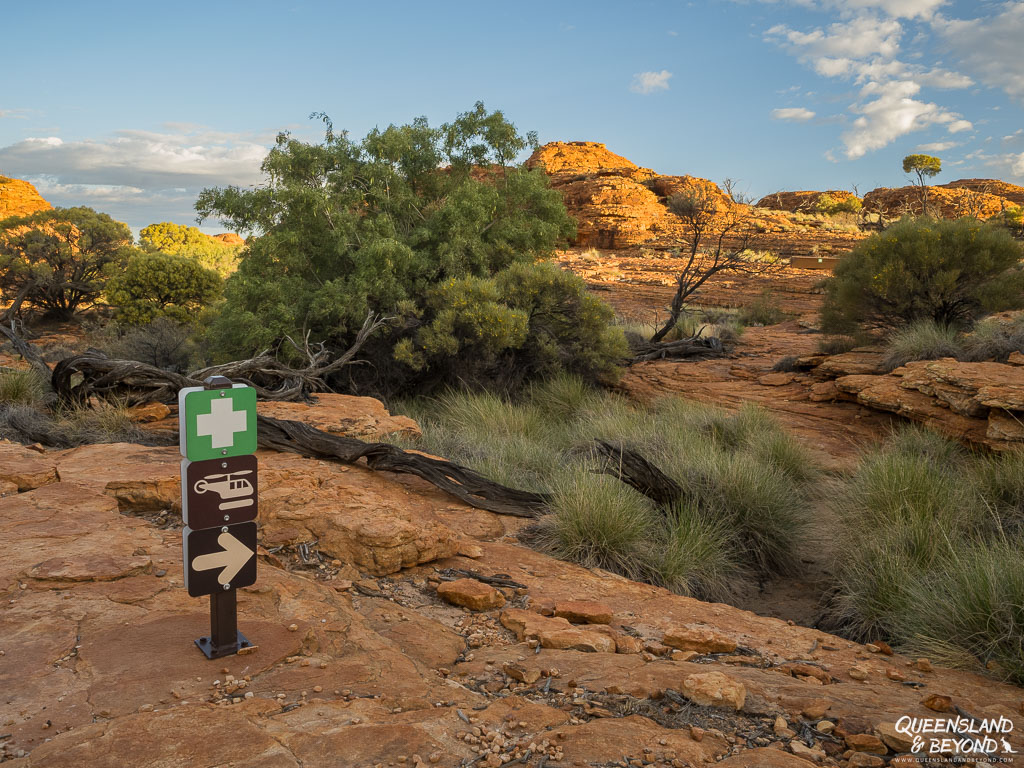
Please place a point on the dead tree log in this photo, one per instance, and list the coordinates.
(634, 470)
(695, 347)
(465, 484)
(76, 379)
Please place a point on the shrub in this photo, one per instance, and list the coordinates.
(762, 311)
(598, 522)
(183, 240)
(830, 205)
(164, 342)
(156, 285)
(836, 345)
(21, 387)
(746, 484)
(528, 321)
(346, 228)
(949, 271)
(930, 537)
(994, 340)
(60, 257)
(922, 340)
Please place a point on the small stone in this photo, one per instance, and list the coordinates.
(815, 709)
(713, 689)
(858, 673)
(293, 627)
(864, 760)
(800, 749)
(700, 639)
(584, 612)
(825, 726)
(893, 739)
(522, 673)
(924, 665)
(937, 702)
(471, 594)
(866, 742)
(894, 674)
(696, 733)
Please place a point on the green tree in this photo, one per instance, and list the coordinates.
(183, 240)
(949, 271)
(345, 228)
(156, 285)
(921, 166)
(58, 260)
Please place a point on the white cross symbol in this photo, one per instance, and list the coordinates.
(221, 423)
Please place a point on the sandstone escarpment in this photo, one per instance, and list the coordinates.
(1012, 192)
(802, 201)
(19, 198)
(948, 202)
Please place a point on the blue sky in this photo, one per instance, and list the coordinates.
(133, 108)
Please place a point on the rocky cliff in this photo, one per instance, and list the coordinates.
(19, 198)
(950, 202)
(801, 202)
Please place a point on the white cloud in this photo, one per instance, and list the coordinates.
(889, 111)
(938, 146)
(141, 159)
(858, 38)
(798, 114)
(137, 176)
(990, 46)
(649, 82)
(903, 9)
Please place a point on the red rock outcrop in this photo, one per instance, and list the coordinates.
(949, 202)
(801, 202)
(229, 238)
(574, 158)
(19, 198)
(1012, 192)
(981, 403)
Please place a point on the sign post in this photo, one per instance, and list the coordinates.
(219, 497)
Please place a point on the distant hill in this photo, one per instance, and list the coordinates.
(19, 198)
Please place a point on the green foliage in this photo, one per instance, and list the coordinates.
(951, 272)
(528, 321)
(831, 206)
(345, 228)
(930, 539)
(157, 284)
(747, 484)
(922, 165)
(60, 258)
(922, 340)
(22, 387)
(764, 310)
(183, 240)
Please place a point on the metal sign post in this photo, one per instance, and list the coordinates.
(219, 496)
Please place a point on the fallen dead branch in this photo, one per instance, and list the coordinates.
(696, 347)
(461, 482)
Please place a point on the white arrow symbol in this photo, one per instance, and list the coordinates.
(231, 558)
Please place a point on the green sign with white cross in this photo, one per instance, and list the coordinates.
(217, 422)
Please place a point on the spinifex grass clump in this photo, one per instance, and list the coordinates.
(930, 552)
(745, 484)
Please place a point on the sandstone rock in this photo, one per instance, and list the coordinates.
(864, 760)
(628, 644)
(937, 702)
(612, 212)
(148, 413)
(556, 632)
(559, 158)
(229, 238)
(19, 198)
(1012, 192)
(713, 689)
(362, 417)
(854, 362)
(522, 673)
(824, 391)
(950, 203)
(24, 468)
(801, 202)
(1016, 358)
(858, 673)
(470, 593)
(765, 757)
(800, 749)
(584, 612)
(700, 639)
(893, 739)
(866, 742)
